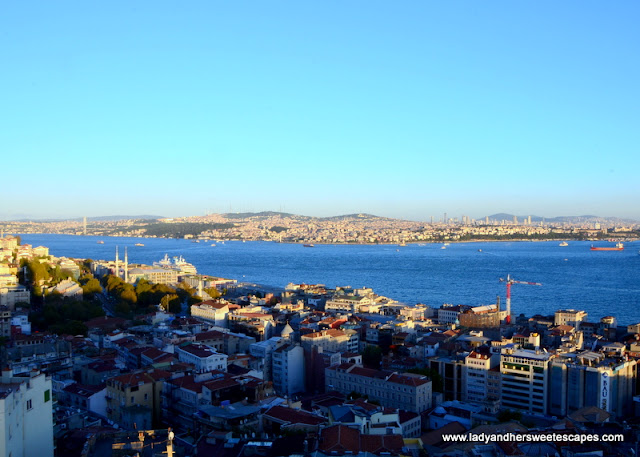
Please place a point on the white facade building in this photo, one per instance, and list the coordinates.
(288, 369)
(214, 311)
(205, 358)
(26, 415)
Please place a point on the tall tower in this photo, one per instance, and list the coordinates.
(126, 265)
(445, 218)
(117, 263)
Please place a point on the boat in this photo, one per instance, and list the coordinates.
(183, 266)
(564, 243)
(213, 244)
(479, 250)
(618, 247)
(138, 244)
(100, 242)
(308, 246)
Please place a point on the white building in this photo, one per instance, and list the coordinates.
(264, 350)
(205, 358)
(11, 295)
(525, 379)
(288, 369)
(26, 415)
(478, 386)
(214, 311)
(570, 317)
(332, 340)
(69, 289)
(347, 303)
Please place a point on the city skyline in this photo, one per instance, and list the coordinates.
(404, 111)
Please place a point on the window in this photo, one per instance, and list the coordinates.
(29, 405)
(47, 395)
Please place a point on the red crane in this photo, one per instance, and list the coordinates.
(510, 281)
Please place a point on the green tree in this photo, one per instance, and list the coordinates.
(91, 287)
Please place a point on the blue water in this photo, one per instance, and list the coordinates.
(599, 282)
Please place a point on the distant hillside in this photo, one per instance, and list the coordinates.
(121, 218)
(262, 214)
(560, 219)
(350, 217)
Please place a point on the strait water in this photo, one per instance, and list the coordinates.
(599, 282)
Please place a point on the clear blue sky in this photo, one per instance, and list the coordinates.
(401, 109)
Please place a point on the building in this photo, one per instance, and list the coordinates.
(288, 369)
(592, 379)
(69, 289)
(570, 317)
(26, 415)
(451, 370)
(407, 391)
(11, 295)
(263, 350)
(347, 303)
(134, 399)
(525, 381)
(213, 311)
(332, 340)
(203, 357)
(478, 387)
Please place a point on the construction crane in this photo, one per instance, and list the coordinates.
(510, 281)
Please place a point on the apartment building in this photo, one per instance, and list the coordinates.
(213, 311)
(347, 303)
(525, 381)
(407, 391)
(204, 358)
(26, 415)
(332, 340)
(570, 317)
(478, 387)
(592, 379)
(288, 369)
(134, 399)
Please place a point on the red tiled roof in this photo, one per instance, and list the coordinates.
(285, 415)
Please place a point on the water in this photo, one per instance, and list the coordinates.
(599, 282)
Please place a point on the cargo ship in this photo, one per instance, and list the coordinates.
(618, 247)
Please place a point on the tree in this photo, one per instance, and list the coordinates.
(91, 287)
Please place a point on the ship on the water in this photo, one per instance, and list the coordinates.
(617, 247)
(178, 263)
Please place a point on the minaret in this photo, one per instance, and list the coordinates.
(126, 265)
(117, 263)
(200, 288)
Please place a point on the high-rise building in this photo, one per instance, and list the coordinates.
(525, 379)
(592, 379)
(26, 415)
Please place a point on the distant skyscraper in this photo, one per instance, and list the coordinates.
(445, 218)
(515, 220)
(529, 220)
(486, 220)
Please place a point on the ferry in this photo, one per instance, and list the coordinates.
(564, 243)
(618, 247)
(100, 242)
(308, 246)
(138, 244)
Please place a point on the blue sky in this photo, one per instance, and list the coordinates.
(401, 109)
